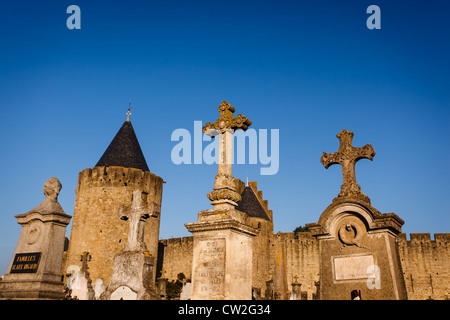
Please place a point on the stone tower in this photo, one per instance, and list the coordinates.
(101, 192)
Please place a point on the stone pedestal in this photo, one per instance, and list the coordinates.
(35, 270)
(358, 251)
(222, 257)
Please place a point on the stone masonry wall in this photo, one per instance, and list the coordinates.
(302, 262)
(176, 254)
(425, 264)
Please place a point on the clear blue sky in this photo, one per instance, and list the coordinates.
(307, 68)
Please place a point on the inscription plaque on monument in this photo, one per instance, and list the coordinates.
(352, 267)
(25, 262)
(210, 275)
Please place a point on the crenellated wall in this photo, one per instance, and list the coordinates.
(290, 258)
(426, 265)
(176, 256)
(301, 262)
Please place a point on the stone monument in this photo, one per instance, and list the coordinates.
(132, 277)
(357, 243)
(35, 270)
(222, 254)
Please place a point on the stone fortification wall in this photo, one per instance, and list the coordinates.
(176, 256)
(426, 265)
(301, 254)
(290, 258)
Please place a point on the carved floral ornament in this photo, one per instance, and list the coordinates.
(224, 194)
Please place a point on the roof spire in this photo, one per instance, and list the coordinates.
(128, 113)
(124, 150)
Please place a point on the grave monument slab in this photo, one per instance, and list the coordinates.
(35, 270)
(357, 243)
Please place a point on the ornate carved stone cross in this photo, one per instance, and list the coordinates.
(137, 215)
(224, 194)
(347, 156)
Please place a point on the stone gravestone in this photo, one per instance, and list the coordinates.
(222, 254)
(132, 277)
(82, 285)
(296, 290)
(35, 270)
(186, 291)
(357, 243)
(99, 287)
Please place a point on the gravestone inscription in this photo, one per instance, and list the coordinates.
(210, 274)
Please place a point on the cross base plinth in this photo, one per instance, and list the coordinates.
(222, 255)
(352, 191)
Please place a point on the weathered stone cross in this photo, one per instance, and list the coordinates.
(137, 215)
(347, 156)
(224, 194)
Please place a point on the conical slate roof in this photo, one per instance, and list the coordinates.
(124, 150)
(250, 204)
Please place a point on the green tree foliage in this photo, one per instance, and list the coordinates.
(174, 287)
(299, 229)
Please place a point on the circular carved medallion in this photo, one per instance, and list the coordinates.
(350, 234)
(34, 231)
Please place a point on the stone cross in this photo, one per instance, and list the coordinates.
(128, 113)
(224, 194)
(347, 156)
(137, 215)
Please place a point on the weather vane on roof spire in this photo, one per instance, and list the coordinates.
(129, 113)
